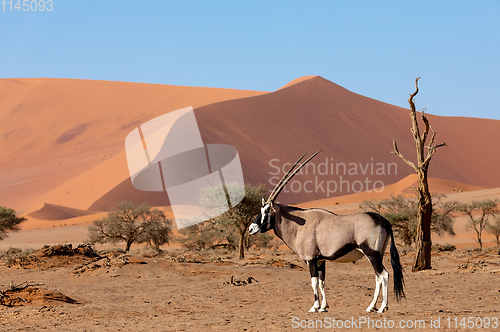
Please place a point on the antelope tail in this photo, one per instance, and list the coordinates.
(397, 270)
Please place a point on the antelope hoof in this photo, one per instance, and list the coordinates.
(371, 309)
(313, 309)
(381, 310)
(323, 310)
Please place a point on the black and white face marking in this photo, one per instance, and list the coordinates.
(262, 222)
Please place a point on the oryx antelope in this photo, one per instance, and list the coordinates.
(317, 235)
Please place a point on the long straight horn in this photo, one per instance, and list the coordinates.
(272, 196)
(277, 190)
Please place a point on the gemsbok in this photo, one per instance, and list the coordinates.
(317, 235)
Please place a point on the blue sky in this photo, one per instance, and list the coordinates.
(372, 48)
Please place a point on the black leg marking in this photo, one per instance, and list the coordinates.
(321, 274)
(321, 270)
(341, 252)
(374, 257)
(313, 268)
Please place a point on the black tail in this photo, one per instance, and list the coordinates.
(397, 270)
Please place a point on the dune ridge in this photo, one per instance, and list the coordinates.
(57, 212)
(72, 152)
(316, 113)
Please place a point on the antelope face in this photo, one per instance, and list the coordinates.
(263, 222)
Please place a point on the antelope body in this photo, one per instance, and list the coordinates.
(317, 235)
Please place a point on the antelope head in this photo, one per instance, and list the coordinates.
(265, 220)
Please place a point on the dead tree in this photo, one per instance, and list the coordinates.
(423, 237)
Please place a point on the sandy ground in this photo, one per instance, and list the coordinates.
(164, 295)
(37, 238)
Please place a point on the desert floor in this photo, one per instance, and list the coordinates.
(185, 291)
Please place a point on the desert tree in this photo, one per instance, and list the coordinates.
(423, 241)
(238, 218)
(8, 221)
(483, 210)
(442, 218)
(494, 228)
(212, 234)
(132, 224)
(402, 212)
(207, 235)
(158, 233)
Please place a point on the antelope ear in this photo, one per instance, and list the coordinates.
(263, 202)
(273, 208)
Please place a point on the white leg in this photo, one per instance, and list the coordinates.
(385, 283)
(314, 284)
(324, 304)
(378, 282)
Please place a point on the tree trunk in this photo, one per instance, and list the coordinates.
(247, 241)
(423, 237)
(127, 246)
(479, 240)
(242, 245)
(423, 243)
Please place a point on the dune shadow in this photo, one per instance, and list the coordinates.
(126, 192)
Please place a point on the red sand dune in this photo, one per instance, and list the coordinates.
(316, 113)
(62, 140)
(33, 223)
(53, 130)
(404, 186)
(47, 217)
(440, 186)
(298, 80)
(57, 212)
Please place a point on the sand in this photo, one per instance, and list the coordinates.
(163, 295)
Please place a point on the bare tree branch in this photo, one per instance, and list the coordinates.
(431, 152)
(415, 131)
(415, 136)
(427, 126)
(401, 155)
(414, 93)
(432, 138)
